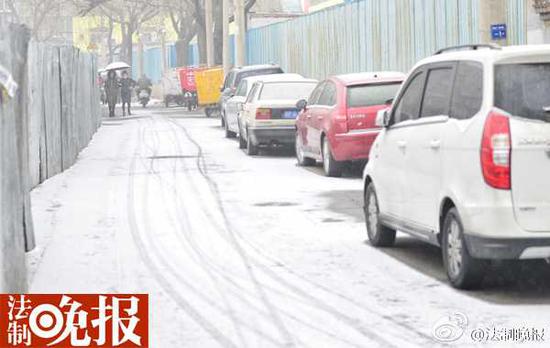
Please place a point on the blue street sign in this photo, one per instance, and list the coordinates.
(498, 31)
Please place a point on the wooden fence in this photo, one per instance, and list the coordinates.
(52, 117)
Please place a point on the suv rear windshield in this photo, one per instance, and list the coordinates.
(287, 90)
(245, 74)
(523, 90)
(370, 95)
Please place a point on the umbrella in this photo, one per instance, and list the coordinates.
(117, 66)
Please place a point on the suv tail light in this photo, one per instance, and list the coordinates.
(496, 151)
(263, 114)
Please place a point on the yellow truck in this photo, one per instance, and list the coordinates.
(208, 83)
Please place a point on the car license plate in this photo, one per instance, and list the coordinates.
(292, 114)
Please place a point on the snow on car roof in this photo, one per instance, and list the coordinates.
(364, 77)
(256, 67)
(275, 78)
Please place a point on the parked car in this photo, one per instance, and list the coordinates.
(234, 78)
(171, 89)
(337, 125)
(463, 161)
(268, 116)
(234, 104)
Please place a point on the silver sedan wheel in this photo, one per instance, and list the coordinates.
(454, 249)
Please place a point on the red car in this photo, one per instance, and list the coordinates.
(337, 124)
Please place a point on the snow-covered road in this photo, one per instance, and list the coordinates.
(248, 252)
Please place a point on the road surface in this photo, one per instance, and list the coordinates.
(239, 251)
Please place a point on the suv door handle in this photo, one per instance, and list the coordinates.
(320, 118)
(435, 144)
(402, 144)
(308, 117)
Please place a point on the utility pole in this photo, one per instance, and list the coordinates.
(209, 32)
(226, 53)
(241, 33)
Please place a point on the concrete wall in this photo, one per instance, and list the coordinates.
(53, 116)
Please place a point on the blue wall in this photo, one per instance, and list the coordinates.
(152, 59)
(371, 35)
(362, 35)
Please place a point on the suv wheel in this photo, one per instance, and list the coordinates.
(379, 235)
(302, 160)
(251, 149)
(463, 271)
(330, 165)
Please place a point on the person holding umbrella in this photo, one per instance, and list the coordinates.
(126, 86)
(112, 86)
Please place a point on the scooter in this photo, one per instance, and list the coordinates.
(144, 97)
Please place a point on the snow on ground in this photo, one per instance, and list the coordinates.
(248, 252)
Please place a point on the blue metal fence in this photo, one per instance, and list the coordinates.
(152, 58)
(370, 35)
(360, 35)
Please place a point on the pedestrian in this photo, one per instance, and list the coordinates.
(126, 86)
(112, 87)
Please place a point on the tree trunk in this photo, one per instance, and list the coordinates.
(131, 30)
(128, 45)
(201, 36)
(130, 54)
(182, 52)
(124, 45)
(110, 41)
(218, 34)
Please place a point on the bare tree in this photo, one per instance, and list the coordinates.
(35, 14)
(217, 29)
(130, 15)
(184, 22)
(198, 6)
(187, 18)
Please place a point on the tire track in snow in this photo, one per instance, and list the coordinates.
(201, 255)
(235, 235)
(222, 273)
(287, 336)
(183, 303)
(154, 149)
(174, 273)
(425, 337)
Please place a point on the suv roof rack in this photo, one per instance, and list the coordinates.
(473, 47)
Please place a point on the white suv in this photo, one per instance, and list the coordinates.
(463, 161)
